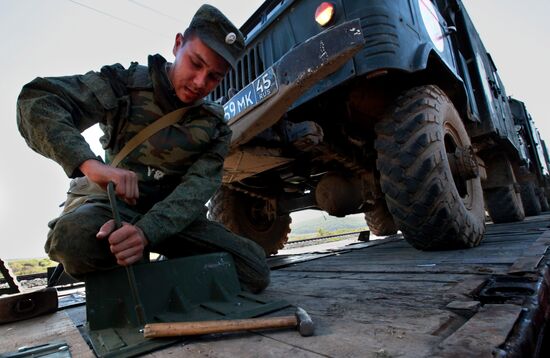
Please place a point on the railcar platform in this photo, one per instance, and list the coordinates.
(380, 298)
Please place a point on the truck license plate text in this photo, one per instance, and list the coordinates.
(253, 94)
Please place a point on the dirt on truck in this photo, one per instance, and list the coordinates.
(415, 130)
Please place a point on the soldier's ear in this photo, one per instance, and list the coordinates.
(178, 43)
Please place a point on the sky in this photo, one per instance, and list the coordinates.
(63, 37)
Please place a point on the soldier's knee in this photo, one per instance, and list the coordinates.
(62, 247)
(60, 242)
(72, 241)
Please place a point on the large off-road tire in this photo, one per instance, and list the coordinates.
(380, 220)
(245, 216)
(504, 204)
(433, 208)
(531, 203)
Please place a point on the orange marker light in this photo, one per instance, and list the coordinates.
(324, 13)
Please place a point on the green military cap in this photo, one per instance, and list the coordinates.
(212, 27)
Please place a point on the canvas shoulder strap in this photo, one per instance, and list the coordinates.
(161, 123)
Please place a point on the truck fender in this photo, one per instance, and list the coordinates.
(430, 59)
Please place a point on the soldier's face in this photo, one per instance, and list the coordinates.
(196, 70)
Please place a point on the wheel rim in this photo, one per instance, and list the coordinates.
(453, 141)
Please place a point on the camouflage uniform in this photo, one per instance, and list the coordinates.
(179, 167)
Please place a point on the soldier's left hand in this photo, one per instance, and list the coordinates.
(127, 243)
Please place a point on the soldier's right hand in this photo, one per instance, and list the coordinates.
(126, 181)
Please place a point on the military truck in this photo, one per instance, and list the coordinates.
(415, 130)
(534, 176)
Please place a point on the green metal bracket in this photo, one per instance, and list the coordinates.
(203, 287)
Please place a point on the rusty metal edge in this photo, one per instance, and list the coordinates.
(10, 278)
(527, 336)
(532, 257)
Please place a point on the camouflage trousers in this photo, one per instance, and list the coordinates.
(72, 241)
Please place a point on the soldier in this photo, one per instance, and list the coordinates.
(166, 180)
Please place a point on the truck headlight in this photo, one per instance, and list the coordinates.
(324, 13)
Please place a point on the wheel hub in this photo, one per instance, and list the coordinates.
(463, 163)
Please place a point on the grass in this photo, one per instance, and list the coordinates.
(30, 266)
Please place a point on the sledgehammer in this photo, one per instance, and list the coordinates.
(300, 320)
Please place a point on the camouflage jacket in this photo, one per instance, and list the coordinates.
(179, 167)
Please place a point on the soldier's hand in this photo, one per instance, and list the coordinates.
(127, 243)
(126, 182)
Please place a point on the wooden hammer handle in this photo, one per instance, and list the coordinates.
(156, 330)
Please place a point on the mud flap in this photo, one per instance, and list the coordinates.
(295, 73)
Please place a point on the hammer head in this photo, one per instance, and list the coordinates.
(304, 322)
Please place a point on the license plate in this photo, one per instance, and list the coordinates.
(252, 95)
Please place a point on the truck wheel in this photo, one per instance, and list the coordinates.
(531, 203)
(429, 173)
(504, 204)
(380, 220)
(542, 199)
(247, 216)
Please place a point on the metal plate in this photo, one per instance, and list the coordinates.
(252, 95)
(57, 349)
(202, 287)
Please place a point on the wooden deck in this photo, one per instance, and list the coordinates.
(376, 299)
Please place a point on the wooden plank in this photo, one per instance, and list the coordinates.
(384, 301)
(532, 257)
(41, 330)
(231, 345)
(525, 264)
(486, 330)
(356, 315)
(420, 268)
(464, 289)
(372, 301)
(400, 257)
(343, 329)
